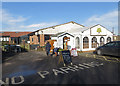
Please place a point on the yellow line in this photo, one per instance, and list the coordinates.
(116, 59)
(104, 58)
(113, 58)
(99, 58)
(94, 56)
(111, 61)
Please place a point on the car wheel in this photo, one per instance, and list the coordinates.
(99, 52)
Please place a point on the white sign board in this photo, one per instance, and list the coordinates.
(74, 52)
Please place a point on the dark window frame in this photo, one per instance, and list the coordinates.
(85, 42)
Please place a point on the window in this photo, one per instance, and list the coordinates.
(108, 39)
(15, 40)
(102, 41)
(77, 42)
(94, 42)
(85, 42)
(32, 39)
(38, 38)
(47, 37)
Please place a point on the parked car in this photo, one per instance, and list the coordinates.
(12, 48)
(111, 48)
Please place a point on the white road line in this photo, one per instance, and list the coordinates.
(66, 69)
(14, 82)
(89, 64)
(43, 73)
(57, 71)
(6, 81)
(83, 66)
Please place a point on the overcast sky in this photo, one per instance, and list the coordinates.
(31, 16)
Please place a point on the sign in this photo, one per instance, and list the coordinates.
(66, 57)
(99, 30)
(74, 52)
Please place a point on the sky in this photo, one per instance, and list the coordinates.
(31, 16)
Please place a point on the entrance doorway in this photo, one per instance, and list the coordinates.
(65, 42)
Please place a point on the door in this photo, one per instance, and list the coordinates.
(65, 42)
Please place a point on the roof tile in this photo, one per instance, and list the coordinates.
(14, 34)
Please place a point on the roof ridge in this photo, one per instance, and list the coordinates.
(59, 25)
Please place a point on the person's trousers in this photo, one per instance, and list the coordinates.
(47, 52)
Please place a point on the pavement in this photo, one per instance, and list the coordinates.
(35, 67)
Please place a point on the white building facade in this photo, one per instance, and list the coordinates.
(80, 37)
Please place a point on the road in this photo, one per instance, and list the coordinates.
(35, 67)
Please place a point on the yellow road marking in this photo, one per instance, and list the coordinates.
(94, 56)
(103, 57)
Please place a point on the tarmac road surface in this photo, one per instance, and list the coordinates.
(36, 68)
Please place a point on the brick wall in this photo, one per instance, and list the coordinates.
(9, 40)
(42, 40)
(116, 38)
(34, 39)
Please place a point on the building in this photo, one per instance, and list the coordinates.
(73, 35)
(116, 38)
(14, 37)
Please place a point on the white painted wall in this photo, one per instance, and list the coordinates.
(76, 30)
(53, 38)
(70, 43)
(94, 32)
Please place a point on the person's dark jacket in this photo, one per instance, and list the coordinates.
(48, 46)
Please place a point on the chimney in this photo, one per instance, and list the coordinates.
(113, 30)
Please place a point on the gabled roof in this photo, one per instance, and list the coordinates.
(65, 34)
(86, 28)
(14, 34)
(78, 29)
(60, 25)
(102, 26)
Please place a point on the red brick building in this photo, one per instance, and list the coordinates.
(14, 37)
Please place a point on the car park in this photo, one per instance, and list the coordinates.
(111, 48)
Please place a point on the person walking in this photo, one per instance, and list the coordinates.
(48, 46)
